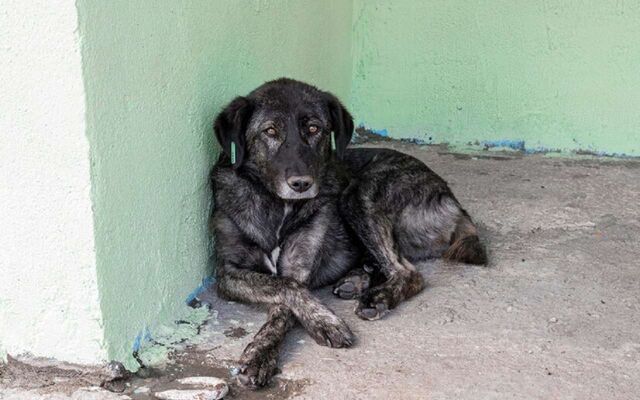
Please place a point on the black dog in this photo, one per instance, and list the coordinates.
(292, 214)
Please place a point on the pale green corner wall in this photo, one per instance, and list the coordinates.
(156, 73)
(556, 74)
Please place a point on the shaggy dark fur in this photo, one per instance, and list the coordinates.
(292, 215)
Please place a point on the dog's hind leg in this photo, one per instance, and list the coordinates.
(259, 359)
(438, 227)
(375, 230)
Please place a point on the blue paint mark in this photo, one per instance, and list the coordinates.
(147, 335)
(504, 143)
(206, 284)
(381, 132)
(143, 337)
(137, 342)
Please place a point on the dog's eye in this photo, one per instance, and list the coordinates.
(270, 131)
(313, 129)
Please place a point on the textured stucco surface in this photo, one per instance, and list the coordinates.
(555, 74)
(155, 74)
(48, 286)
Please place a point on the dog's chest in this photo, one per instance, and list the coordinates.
(271, 260)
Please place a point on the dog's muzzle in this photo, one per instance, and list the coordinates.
(298, 188)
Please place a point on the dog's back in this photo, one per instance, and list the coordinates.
(431, 222)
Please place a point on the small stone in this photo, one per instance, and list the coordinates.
(509, 309)
(211, 388)
(142, 390)
(190, 394)
(206, 381)
(115, 370)
(553, 320)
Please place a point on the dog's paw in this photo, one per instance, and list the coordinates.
(352, 286)
(257, 369)
(377, 302)
(331, 331)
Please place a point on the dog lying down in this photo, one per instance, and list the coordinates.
(296, 210)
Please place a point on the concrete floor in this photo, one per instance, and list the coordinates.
(556, 315)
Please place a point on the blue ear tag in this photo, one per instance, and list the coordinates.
(233, 152)
(333, 141)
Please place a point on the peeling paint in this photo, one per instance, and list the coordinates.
(205, 285)
(151, 349)
(504, 144)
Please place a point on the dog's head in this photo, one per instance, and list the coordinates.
(282, 134)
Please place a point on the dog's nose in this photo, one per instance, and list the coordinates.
(300, 183)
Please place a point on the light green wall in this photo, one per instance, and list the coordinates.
(156, 73)
(556, 74)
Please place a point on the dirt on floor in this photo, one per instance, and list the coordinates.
(556, 314)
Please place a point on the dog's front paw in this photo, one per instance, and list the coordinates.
(329, 330)
(257, 368)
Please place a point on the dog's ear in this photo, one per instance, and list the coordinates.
(341, 124)
(231, 125)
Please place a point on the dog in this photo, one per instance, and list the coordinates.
(295, 210)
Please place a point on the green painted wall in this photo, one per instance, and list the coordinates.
(556, 74)
(156, 73)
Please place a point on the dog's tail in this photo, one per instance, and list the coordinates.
(465, 245)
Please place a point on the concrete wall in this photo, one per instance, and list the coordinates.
(543, 74)
(49, 302)
(156, 73)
